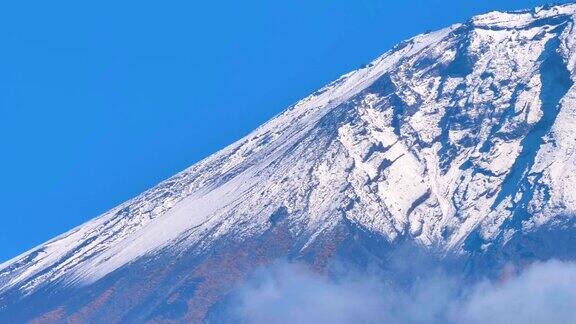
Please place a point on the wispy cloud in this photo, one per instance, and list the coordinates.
(291, 293)
(543, 293)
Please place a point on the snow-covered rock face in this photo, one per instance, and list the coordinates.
(458, 139)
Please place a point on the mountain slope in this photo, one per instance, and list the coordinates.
(460, 141)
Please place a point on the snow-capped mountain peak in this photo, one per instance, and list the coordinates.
(457, 140)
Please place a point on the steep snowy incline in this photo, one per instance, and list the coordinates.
(457, 139)
(190, 200)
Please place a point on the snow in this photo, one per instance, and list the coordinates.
(419, 143)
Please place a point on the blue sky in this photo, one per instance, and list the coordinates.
(101, 100)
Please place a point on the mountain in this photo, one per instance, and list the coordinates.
(460, 143)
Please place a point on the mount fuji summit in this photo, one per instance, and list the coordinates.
(458, 143)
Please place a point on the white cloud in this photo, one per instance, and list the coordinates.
(543, 293)
(290, 293)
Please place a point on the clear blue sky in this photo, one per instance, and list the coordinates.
(100, 100)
